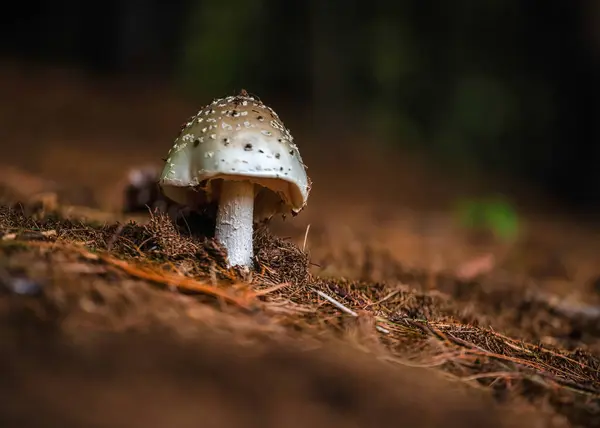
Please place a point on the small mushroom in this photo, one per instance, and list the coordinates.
(236, 151)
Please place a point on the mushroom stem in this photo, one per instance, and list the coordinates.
(235, 221)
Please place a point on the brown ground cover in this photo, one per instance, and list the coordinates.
(370, 317)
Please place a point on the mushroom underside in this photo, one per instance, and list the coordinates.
(271, 196)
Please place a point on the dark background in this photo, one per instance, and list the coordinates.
(505, 86)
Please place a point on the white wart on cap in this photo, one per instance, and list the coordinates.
(236, 151)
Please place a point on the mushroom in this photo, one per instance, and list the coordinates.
(236, 151)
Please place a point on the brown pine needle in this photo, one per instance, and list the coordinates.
(175, 280)
(271, 289)
(154, 275)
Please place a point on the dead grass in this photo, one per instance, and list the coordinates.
(403, 324)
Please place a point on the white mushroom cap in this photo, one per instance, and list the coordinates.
(237, 138)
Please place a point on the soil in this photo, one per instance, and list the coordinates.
(371, 308)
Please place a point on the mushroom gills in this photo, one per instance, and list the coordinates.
(234, 224)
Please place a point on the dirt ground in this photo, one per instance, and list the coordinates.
(382, 312)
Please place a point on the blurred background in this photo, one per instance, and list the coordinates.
(506, 86)
(502, 86)
(412, 104)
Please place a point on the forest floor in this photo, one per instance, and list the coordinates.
(372, 308)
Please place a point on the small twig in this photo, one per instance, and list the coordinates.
(387, 297)
(436, 361)
(187, 225)
(343, 308)
(305, 238)
(271, 289)
(506, 375)
(335, 303)
(114, 237)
